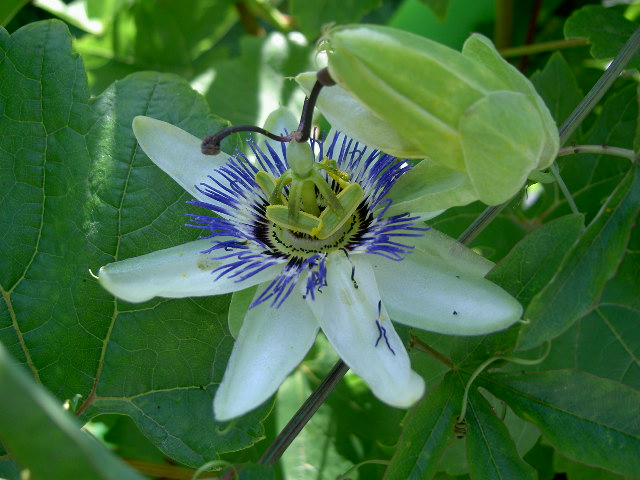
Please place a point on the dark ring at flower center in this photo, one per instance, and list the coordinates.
(301, 245)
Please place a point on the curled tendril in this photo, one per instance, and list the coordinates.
(460, 426)
(211, 144)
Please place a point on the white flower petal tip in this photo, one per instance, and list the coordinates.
(177, 272)
(355, 321)
(405, 394)
(271, 343)
(434, 296)
(176, 152)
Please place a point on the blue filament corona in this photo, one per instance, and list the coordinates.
(240, 230)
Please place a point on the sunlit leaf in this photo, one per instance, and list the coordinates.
(312, 16)
(44, 438)
(606, 28)
(80, 193)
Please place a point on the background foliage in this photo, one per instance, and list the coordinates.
(77, 192)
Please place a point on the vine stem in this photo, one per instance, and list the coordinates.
(504, 23)
(601, 87)
(600, 150)
(542, 47)
(303, 415)
(555, 171)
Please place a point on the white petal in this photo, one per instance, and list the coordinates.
(271, 343)
(434, 296)
(455, 255)
(177, 153)
(176, 272)
(348, 318)
(347, 114)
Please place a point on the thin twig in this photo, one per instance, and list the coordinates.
(531, 32)
(303, 415)
(599, 150)
(601, 87)
(418, 344)
(543, 47)
(480, 223)
(555, 171)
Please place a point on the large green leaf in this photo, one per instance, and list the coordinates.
(37, 430)
(587, 418)
(592, 178)
(558, 86)
(491, 452)
(312, 16)
(247, 88)
(79, 193)
(426, 432)
(180, 37)
(606, 28)
(313, 453)
(587, 267)
(607, 341)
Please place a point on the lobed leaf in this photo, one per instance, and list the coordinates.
(426, 432)
(590, 419)
(606, 28)
(586, 268)
(491, 452)
(79, 193)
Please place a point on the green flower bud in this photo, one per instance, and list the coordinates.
(467, 113)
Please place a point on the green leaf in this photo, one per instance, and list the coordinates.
(607, 341)
(313, 453)
(606, 28)
(524, 434)
(557, 85)
(580, 471)
(247, 88)
(589, 419)
(439, 7)
(491, 452)
(534, 261)
(80, 194)
(586, 268)
(9, 8)
(426, 432)
(592, 178)
(180, 37)
(46, 439)
(312, 16)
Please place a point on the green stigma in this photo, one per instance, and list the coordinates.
(312, 206)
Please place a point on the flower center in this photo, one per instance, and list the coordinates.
(301, 245)
(314, 216)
